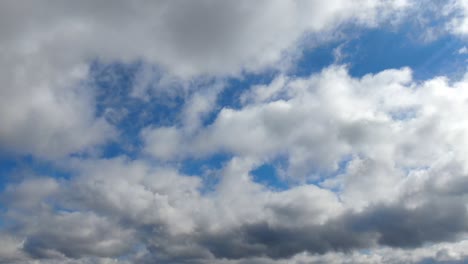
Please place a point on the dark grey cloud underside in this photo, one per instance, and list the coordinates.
(380, 225)
(393, 226)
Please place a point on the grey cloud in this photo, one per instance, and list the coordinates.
(117, 208)
(386, 225)
(262, 239)
(75, 235)
(398, 226)
(203, 37)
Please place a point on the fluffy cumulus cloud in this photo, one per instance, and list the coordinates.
(381, 120)
(404, 183)
(163, 161)
(46, 48)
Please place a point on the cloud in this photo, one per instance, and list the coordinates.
(74, 235)
(457, 10)
(188, 38)
(45, 110)
(319, 121)
(376, 166)
(394, 191)
(150, 213)
(394, 226)
(48, 111)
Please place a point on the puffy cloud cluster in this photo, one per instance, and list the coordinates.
(129, 210)
(406, 146)
(383, 121)
(376, 166)
(46, 47)
(403, 187)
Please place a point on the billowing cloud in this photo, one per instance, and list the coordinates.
(129, 208)
(372, 168)
(317, 122)
(395, 192)
(46, 48)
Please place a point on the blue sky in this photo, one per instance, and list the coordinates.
(213, 132)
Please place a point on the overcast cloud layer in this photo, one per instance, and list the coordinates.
(362, 169)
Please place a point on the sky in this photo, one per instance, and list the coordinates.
(233, 132)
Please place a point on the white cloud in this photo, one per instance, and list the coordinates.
(352, 115)
(401, 144)
(45, 111)
(30, 193)
(46, 48)
(463, 50)
(383, 122)
(163, 142)
(457, 10)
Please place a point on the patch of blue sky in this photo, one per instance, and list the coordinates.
(373, 50)
(274, 174)
(231, 93)
(18, 167)
(267, 175)
(198, 166)
(114, 84)
(377, 50)
(314, 59)
(235, 86)
(7, 167)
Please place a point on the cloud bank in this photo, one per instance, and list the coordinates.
(365, 169)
